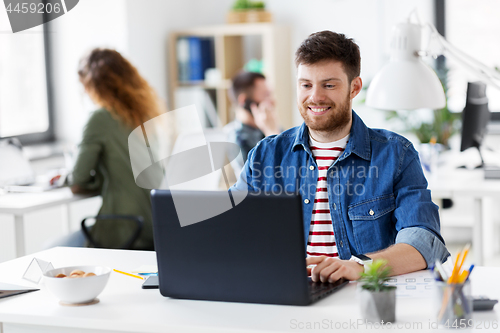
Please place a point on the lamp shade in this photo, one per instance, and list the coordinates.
(406, 83)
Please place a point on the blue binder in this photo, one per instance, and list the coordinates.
(201, 57)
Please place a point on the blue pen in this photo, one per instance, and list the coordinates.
(461, 294)
(470, 271)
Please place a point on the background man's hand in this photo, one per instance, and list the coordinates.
(332, 269)
(265, 117)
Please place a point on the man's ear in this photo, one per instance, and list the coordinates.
(241, 99)
(356, 85)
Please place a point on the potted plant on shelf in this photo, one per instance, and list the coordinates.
(246, 11)
(378, 300)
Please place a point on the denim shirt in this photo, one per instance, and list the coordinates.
(377, 191)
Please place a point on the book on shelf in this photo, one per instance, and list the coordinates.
(183, 59)
(194, 56)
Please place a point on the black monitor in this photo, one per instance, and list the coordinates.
(475, 117)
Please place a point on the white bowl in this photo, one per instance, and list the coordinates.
(77, 290)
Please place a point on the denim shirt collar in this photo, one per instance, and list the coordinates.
(359, 141)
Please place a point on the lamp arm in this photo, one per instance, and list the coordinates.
(483, 72)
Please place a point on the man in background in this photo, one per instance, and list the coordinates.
(255, 114)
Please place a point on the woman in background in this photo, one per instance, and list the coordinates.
(126, 101)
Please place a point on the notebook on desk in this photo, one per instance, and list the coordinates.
(7, 290)
(252, 253)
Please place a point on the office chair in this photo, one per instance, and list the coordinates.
(129, 243)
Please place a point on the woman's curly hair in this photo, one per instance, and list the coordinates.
(115, 84)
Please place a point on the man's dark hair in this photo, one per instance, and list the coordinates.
(328, 45)
(244, 82)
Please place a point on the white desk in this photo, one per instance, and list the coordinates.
(125, 307)
(452, 182)
(19, 205)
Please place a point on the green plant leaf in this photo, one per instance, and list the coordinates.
(241, 4)
(375, 276)
(247, 4)
(258, 5)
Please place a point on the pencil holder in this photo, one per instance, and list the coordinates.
(454, 305)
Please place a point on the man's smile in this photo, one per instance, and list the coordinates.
(318, 110)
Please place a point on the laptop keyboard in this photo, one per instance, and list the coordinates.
(318, 287)
(319, 290)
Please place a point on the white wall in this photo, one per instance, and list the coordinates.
(140, 30)
(92, 23)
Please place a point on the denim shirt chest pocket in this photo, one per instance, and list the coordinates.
(372, 223)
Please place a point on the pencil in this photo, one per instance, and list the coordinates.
(465, 252)
(128, 274)
(463, 276)
(470, 271)
(455, 266)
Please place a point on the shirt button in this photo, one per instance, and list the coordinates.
(341, 244)
(311, 167)
(371, 212)
(307, 201)
(334, 206)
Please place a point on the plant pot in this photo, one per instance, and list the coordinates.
(249, 16)
(378, 306)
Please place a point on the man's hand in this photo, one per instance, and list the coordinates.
(332, 269)
(265, 117)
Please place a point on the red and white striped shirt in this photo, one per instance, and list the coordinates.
(321, 241)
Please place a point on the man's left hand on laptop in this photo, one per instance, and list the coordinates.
(330, 269)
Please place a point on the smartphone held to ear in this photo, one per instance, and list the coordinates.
(247, 104)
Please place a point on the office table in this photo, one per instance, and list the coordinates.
(125, 307)
(451, 182)
(20, 204)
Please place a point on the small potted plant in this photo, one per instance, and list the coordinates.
(378, 300)
(247, 11)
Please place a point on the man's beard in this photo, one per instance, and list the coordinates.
(336, 118)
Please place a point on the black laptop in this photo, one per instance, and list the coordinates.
(252, 253)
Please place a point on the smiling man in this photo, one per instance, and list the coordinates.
(363, 191)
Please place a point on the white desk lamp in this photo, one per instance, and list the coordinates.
(407, 83)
